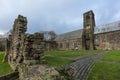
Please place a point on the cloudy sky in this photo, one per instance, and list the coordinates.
(58, 15)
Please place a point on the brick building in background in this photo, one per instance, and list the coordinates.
(106, 37)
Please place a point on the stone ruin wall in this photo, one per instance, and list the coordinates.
(25, 52)
(108, 41)
(22, 47)
(62, 45)
(50, 45)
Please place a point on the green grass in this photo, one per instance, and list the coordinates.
(61, 58)
(56, 61)
(113, 56)
(4, 67)
(103, 71)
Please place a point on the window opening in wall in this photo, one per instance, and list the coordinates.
(97, 42)
(75, 44)
(67, 45)
(87, 18)
(61, 45)
(104, 38)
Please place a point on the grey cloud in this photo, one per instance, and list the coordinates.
(58, 15)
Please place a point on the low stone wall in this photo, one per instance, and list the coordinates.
(38, 72)
(10, 76)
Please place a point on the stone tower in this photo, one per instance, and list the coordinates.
(88, 31)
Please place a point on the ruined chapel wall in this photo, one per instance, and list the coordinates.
(108, 41)
(50, 45)
(22, 48)
(70, 44)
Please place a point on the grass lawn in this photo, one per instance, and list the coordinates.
(4, 67)
(113, 56)
(60, 58)
(107, 71)
(103, 71)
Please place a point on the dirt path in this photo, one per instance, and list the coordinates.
(79, 69)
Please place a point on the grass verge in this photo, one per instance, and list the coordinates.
(4, 67)
(113, 56)
(60, 58)
(103, 71)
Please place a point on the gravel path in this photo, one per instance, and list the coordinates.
(79, 69)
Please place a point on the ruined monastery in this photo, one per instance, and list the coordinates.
(25, 52)
(105, 37)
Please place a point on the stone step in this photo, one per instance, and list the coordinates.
(84, 73)
(77, 70)
(81, 73)
(80, 70)
(83, 65)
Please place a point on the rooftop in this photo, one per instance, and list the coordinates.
(98, 29)
(107, 27)
(70, 35)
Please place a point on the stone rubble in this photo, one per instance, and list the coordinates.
(25, 52)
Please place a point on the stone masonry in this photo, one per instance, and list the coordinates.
(108, 41)
(88, 31)
(22, 47)
(104, 37)
(25, 52)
